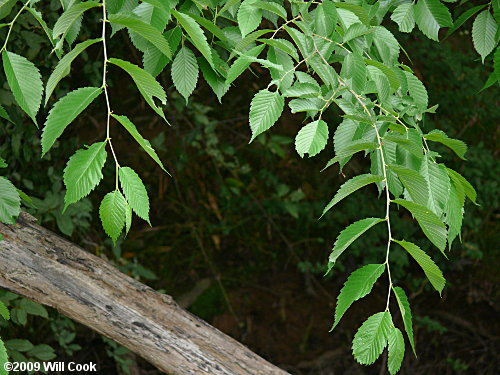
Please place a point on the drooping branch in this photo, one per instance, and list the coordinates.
(48, 269)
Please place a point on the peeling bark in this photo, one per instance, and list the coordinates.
(50, 270)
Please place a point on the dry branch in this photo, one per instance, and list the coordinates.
(48, 269)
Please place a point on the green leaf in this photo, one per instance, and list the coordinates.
(4, 358)
(242, 63)
(459, 147)
(4, 114)
(33, 308)
(128, 219)
(196, 34)
(84, 172)
(64, 112)
(430, 268)
(463, 18)
(349, 235)
(67, 19)
(387, 45)
(185, 72)
(112, 212)
(358, 285)
(249, 17)
(265, 110)
(5, 9)
(63, 66)
(354, 68)
(19, 345)
(10, 202)
(438, 182)
(4, 311)
(146, 84)
(144, 143)
(214, 80)
(459, 180)
(350, 187)
(389, 72)
(454, 211)
(303, 90)
(148, 32)
(404, 307)
(417, 91)
(414, 183)
(430, 16)
(404, 16)
(281, 44)
(432, 227)
(312, 138)
(210, 26)
(25, 82)
(496, 64)
(371, 338)
(42, 352)
(271, 7)
(396, 350)
(135, 192)
(325, 18)
(484, 30)
(351, 150)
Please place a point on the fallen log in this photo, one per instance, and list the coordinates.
(50, 270)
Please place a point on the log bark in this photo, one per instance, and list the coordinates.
(50, 270)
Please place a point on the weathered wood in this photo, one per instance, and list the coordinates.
(48, 269)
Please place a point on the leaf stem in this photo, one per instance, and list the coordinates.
(105, 88)
(384, 171)
(11, 24)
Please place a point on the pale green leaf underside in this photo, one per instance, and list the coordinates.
(64, 22)
(185, 72)
(144, 143)
(371, 338)
(484, 30)
(312, 138)
(249, 17)
(10, 202)
(404, 16)
(404, 307)
(350, 187)
(396, 350)
(431, 225)
(25, 82)
(350, 234)
(430, 15)
(135, 192)
(84, 172)
(63, 66)
(112, 212)
(265, 110)
(64, 112)
(145, 82)
(358, 285)
(439, 185)
(430, 268)
(414, 183)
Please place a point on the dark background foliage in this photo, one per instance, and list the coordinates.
(235, 236)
